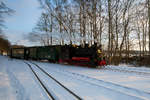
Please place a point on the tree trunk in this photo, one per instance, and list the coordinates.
(109, 30)
(149, 23)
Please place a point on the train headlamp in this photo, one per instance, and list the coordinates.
(99, 51)
(74, 45)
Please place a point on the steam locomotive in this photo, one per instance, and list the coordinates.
(66, 54)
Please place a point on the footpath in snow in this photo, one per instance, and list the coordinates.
(17, 82)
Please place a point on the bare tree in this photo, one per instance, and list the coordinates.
(4, 45)
(4, 10)
(116, 24)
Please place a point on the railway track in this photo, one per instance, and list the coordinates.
(128, 71)
(44, 87)
(106, 85)
(51, 95)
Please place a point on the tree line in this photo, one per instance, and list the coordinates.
(4, 43)
(120, 26)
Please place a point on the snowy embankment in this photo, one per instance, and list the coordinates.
(110, 83)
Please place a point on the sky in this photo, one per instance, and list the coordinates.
(22, 21)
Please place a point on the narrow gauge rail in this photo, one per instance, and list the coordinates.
(128, 71)
(115, 88)
(50, 95)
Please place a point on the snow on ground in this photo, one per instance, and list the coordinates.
(130, 83)
(17, 82)
(88, 90)
(54, 88)
(130, 77)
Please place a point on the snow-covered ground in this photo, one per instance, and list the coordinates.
(17, 82)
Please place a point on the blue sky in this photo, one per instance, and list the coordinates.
(27, 13)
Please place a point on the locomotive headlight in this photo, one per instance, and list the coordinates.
(99, 51)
